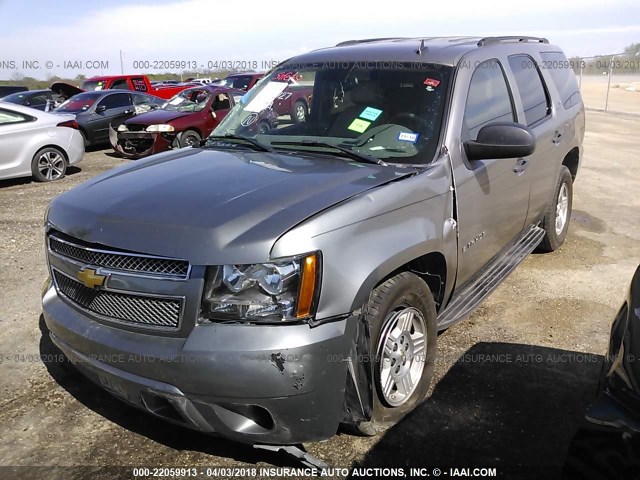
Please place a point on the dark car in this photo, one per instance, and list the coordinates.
(9, 89)
(44, 100)
(96, 111)
(607, 445)
(184, 120)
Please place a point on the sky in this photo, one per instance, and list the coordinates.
(40, 38)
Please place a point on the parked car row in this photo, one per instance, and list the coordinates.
(171, 115)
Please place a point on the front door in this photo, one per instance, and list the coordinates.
(492, 195)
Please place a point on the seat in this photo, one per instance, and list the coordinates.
(362, 96)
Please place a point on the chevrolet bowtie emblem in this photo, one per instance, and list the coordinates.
(90, 278)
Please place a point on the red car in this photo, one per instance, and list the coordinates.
(182, 121)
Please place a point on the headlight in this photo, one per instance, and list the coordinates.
(123, 128)
(160, 128)
(279, 291)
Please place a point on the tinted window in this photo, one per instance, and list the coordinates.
(116, 101)
(563, 77)
(489, 100)
(241, 82)
(40, 99)
(139, 99)
(532, 92)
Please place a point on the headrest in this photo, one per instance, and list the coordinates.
(367, 94)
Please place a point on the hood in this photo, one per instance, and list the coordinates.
(65, 90)
(208, 206)
(155, 117)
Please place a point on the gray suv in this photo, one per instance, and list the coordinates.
(268, 287)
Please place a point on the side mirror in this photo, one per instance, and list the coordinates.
(501, 140)
(101, 109)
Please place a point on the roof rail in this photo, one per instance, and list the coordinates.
(523, 39)
(368, 40)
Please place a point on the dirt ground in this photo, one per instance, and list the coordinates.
(624, 93)
(512, 382)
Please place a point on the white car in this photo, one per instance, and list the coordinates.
(38, 144)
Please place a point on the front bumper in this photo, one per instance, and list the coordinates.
(254, 384)
(139, 144)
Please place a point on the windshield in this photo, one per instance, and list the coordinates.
(384, 110)
(78, 103)
(90, 85)
(191, 100)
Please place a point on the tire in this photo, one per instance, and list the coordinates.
(189, 138)
(264, 127)
(299, 112)
(48, 164)
(555, 214)
(404, 298)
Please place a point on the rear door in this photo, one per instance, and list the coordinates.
(16, 130)
(493, 194)
(534, 110)
(118, 107)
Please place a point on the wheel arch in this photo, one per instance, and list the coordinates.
(430, 267)
(57, 147)
(572, 161)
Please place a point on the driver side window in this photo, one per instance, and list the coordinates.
(488, 100)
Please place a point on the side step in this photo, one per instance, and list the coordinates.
(467, 299)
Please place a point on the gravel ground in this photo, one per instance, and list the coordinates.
(512, 382)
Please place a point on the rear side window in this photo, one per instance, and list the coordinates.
(120, 85)
(488, 100)
(116, 100)
(8, 116)
(563, 77)
(535, 99)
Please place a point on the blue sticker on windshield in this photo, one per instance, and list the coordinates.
(408, 137)
(370, 113)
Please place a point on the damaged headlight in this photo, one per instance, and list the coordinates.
(279, 291)
(123, 128)
(160, 128)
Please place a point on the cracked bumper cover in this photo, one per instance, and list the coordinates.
(254, 384)
(139, 144)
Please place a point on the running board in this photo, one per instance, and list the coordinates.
(467, 299)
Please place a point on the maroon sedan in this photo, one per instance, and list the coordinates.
(182, 121)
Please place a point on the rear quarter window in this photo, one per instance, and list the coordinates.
(563, 77)
(535, 99)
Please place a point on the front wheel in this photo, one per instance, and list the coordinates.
(558, 213)
(402, 319)
(190, 138)
(299, 112)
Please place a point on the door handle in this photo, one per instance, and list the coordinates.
(557, 136)
(521, 166)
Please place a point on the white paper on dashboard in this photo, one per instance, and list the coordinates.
(266, 96)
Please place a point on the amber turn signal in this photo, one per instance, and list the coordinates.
(307, 286)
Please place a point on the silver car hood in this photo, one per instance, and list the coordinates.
(210, 207)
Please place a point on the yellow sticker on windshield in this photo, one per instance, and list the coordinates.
(359, 125)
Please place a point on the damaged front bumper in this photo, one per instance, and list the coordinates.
(271, 384)
(139, 144)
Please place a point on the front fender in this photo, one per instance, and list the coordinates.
(364, 239)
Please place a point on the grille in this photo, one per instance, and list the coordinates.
(120, 261)
(132, 309)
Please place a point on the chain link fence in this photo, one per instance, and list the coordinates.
(609, 83)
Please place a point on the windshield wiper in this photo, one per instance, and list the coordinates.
(250, 142)
(361, 157)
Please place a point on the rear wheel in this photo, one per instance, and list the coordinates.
(190, 138)
(558, 213)
(402, 319)
(48, 164)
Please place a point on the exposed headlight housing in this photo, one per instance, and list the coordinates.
(160, 128)
(280, 291)
(122, 128)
